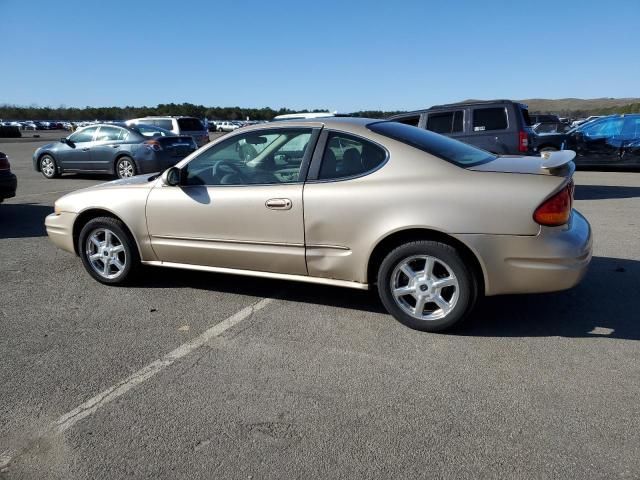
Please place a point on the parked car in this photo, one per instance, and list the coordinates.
(550, 127)
(114, 149)
(8, 180)
(227, 126)
(349, 202)
(498, 126)
(605, 141)
(549, 136)
(178, 125)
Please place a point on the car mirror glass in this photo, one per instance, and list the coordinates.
(171, 176)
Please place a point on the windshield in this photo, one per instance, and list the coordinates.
(440, 146)
(190, 125)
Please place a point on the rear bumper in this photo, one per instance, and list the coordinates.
(555, 259)
(60, 230)
(8, 186)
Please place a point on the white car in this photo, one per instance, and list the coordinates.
(179, 125)
(228, 126)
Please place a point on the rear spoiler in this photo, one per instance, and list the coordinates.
(557, 160)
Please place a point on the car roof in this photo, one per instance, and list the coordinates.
(344, 123)
(469, 103)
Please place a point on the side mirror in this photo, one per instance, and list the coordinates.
(171, 176)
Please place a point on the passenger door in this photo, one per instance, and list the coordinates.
(238, 205)
(108, 144)
(599, 142)
(78, 155)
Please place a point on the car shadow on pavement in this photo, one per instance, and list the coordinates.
(21, 220)
(603, 192)
(605, 304)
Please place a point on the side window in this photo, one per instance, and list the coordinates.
(608, 127)
(489, 119)
(151, 131)
(413, 120)
(110, 134)
(445, 123)
(348, 156)
(85, 135)
(166, 124)
(260, 157)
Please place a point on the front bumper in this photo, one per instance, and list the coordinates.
(60, 229)
(555, 259)
(8, 186)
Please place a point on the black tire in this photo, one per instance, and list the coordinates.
(48, 166)
(125, 167)
(446, 258)
(128, 257)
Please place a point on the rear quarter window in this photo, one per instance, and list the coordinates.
(487, 119)
(445, 148)
(190, 125)
(166, 124)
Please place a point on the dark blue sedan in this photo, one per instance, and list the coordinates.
(114, 149)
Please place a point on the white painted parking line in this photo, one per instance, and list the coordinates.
(69, 419)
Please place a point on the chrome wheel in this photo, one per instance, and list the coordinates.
(125, 168)
(106, 253)
(47, 166)
(424, 287)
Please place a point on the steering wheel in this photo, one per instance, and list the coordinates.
(226, 167)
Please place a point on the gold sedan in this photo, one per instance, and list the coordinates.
(432, 222)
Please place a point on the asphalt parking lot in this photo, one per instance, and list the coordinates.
(286, 380)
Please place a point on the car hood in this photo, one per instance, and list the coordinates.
(137, 181)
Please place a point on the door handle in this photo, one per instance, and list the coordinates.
(115, 146)
(86, 149)
(278, 204)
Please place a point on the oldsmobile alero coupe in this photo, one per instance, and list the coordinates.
(432, 222)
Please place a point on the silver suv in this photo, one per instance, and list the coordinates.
(179, 125)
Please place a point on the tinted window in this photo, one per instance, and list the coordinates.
(489, 119)
(438, 145)
(348, 156)
(166, 124)
(262, 157)
(108, 134)
(446, 122)
(85, 135)
(413, 120)
(607, 127)
(631, 130)
(190, 125)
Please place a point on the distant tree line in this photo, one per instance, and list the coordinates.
(15, 112)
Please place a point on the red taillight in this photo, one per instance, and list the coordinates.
(555, 211)
(523, 141)
(153, 145)
(4, 162)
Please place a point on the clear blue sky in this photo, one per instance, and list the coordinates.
(343, 55)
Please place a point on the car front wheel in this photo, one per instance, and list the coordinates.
(48, 166)
(125, 167)
(426, 286)
(107, 250)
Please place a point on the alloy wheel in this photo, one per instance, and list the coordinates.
(125, 168)
(424, 287)
(48, 167)
(106, 253)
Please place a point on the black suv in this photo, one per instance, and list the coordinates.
(8, 180)
(498, 126)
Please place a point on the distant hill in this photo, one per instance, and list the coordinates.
(580, 106)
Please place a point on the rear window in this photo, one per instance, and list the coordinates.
(440, 146)
(485, 119)
(446, 122)
(413, 120)
(190, 125)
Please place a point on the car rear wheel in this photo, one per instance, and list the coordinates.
(426, 286)
(48, 166)
(107, 250)
(125, 167)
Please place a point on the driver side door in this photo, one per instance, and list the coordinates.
(238, 205)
